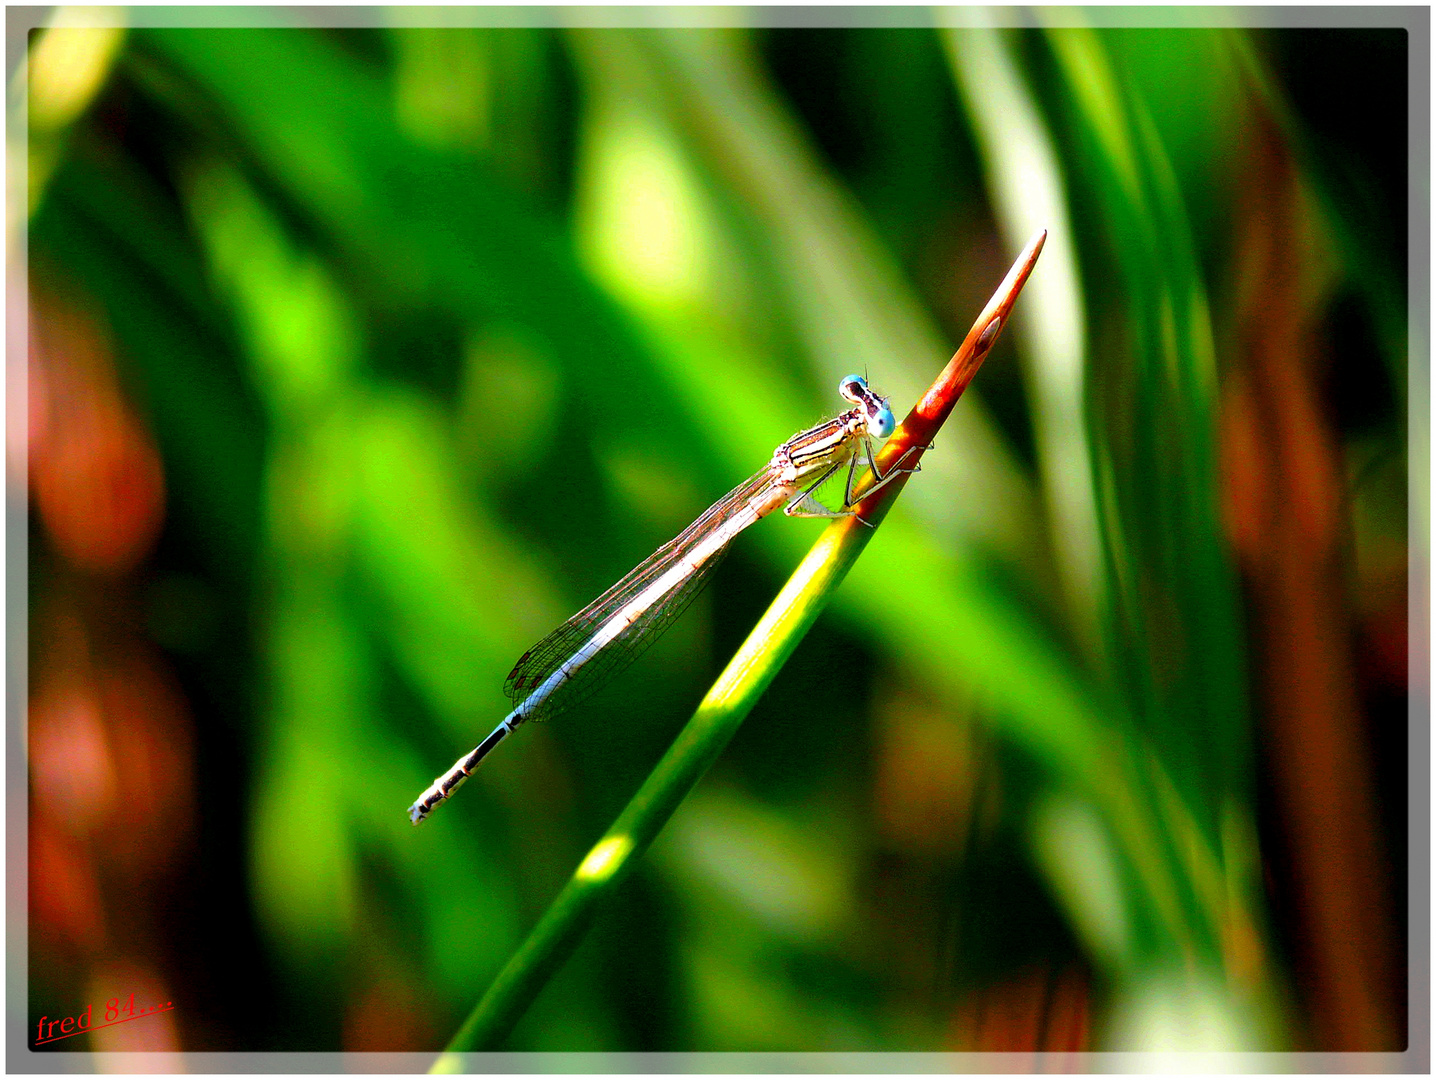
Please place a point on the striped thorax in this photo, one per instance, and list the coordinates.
(833, 442)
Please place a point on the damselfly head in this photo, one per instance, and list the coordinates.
(880, 419)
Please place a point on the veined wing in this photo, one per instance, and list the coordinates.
(537, 665)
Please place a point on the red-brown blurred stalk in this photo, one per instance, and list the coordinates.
(1289, 524)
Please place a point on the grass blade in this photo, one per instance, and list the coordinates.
(726, 705)
(1028, 185)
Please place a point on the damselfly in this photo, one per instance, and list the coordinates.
(591, 648)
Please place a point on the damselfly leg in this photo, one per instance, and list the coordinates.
(880, 479)
(805, 504)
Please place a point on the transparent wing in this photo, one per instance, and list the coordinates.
(535, 666)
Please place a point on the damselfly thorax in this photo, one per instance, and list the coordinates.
(826, 448)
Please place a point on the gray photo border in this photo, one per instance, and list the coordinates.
(1415, 1059)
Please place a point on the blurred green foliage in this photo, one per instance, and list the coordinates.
(441, 330)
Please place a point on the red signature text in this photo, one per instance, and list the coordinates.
(117, 1011)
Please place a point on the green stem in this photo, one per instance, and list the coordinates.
(724, 707)
(697, 746)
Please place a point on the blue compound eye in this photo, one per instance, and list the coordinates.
(881, 421)
(853, 387)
